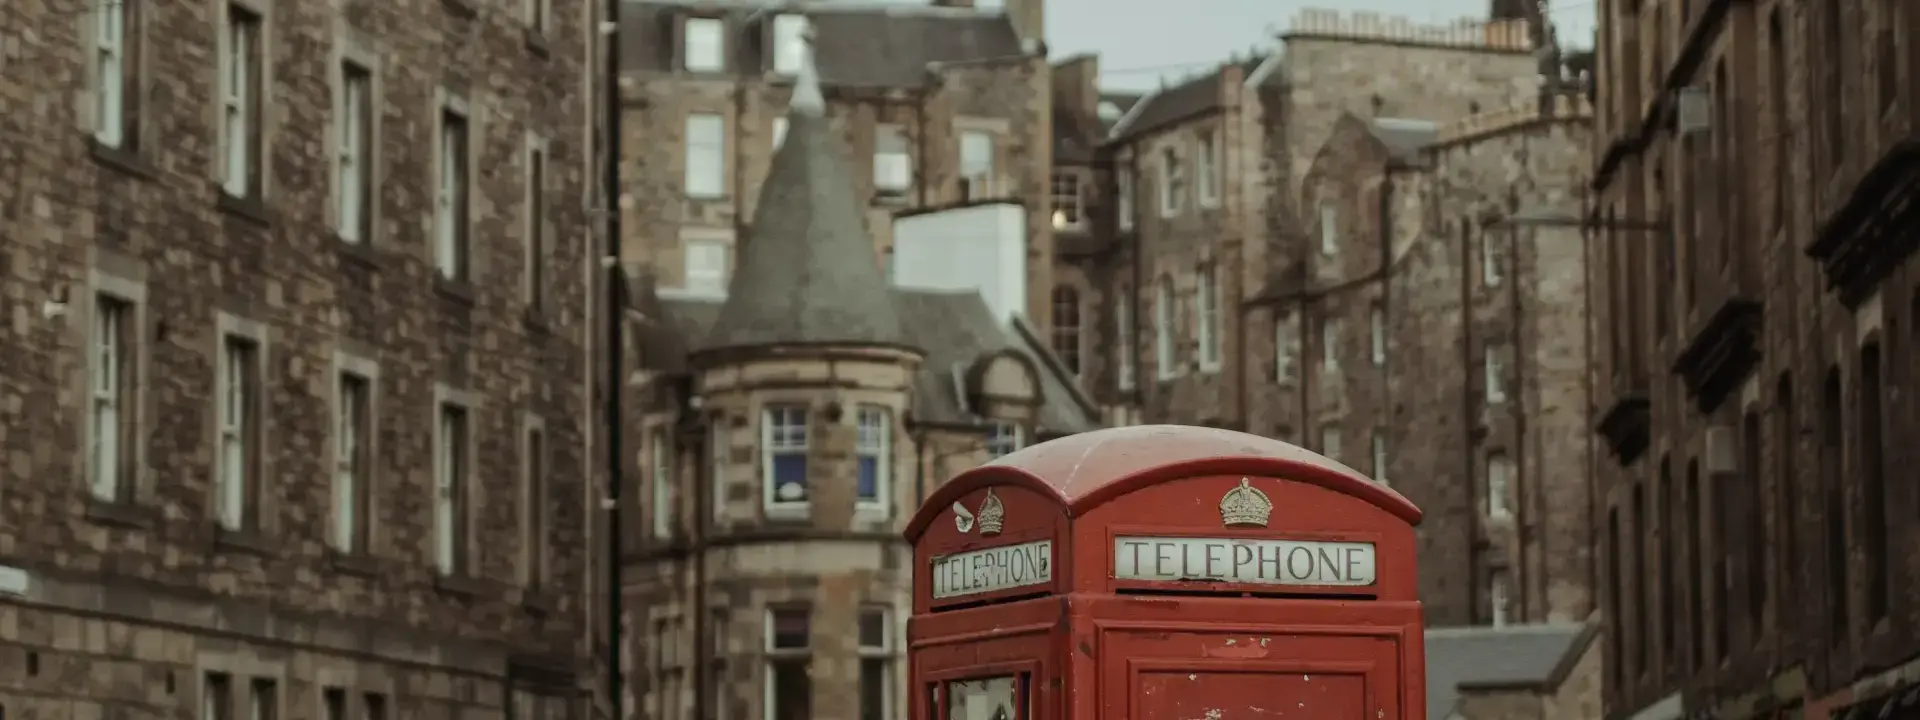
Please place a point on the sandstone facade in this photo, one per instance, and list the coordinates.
(193, 345)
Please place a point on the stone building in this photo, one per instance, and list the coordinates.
(1757, 549)
(789, 427)
(283, 435)
(940, 103)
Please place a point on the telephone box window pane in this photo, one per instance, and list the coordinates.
(984, 699)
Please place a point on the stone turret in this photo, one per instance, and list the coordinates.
(805, 379)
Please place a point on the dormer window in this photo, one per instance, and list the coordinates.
(789, 43)
(704, 45)
(1005, 438)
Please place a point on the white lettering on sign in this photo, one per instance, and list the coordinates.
(1259, 562)
(993, 569)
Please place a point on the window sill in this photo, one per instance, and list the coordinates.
(251, 209)
(358, 252)
(459, 585)
(1212, 368)
(893, 197)
(121, 513)
(461, 8)
(120, 159)
(354, 563)
(788, 512)
(536, 43)
(246, 541)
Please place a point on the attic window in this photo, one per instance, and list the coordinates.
(789, 43)
(704, 45)
(1005, 438)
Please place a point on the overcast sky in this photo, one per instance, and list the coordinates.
(1141, 40)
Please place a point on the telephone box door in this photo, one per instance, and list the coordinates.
(1160, 676)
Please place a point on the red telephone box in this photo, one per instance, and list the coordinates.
(1165, 573)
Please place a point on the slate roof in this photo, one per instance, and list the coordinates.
(863, 45)
(1189, 98)
(953, 328)
(806, 271)
(1512, 655)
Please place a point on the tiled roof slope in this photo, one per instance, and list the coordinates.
(860, 45)
(1175, 103)
(1512, 655)
(954, 329)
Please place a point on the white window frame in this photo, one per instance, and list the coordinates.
(1286, 347)
(1123, 321)
(1380, 458)
(355, 431)
(1068, 213)
(1329, 229)
(1497, 599)
(707, 261)
(1496, 379)
(789, 43)
(1206, 313)
(884, 652)
(1330, 329)
(240, 427)
(240, 111)
(1377, 334)
(353, 172)
(453, 191)
(703, 45)
(779, 132)
(1124, 209)
(453, 473)
(1499, 486)
(976, 156)
(705, 150)
(1172, 183)
(892, 166)
(778, 423)
(113, 317)
(873, 438)
(1005, 438)
(1207, 167)
(110, 73)
(775, 654)
(1165, 360)
(660, 478)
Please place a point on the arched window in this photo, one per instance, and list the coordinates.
(1066, 326)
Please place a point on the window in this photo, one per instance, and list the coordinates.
(789, 43)
(1778, 103)
(1125, 204)
(216, 697)
(705, 44)
(1642, 525)
(1499, 486)
(660, 447)
(1173, 183)
(353, 461)
(536, 280)
(335, 700)
(1380, 455)
(451, 467)
(783, 455)
(1066, 327)
(706, 156)
(1833, 444)
(976, 156)
(876, 664)
(1616, 607)
(1163, 330)
(1330, 344)
(1123, 329)
(1377, 331)
(240, 84)
(1496, 370)
(1066, 200)
(353, 168)
(1490, 260)
(116, 86)
(874, 445)
(1004, 438)
(1497, 597)
(1286, 346)
(789, 651)
(1207, 168)
(451, 207)
(892, 163)
(779, 132)
(1330, 441)
(115, 410)
(669, 665)
(373, 707)
(538, 15)
(1329, 230)
(265, 700)
(709, 265)
(536, 512)
(1207, 314)
(1873, 483)
(718, 460)
(1786, 437)
(239, 463)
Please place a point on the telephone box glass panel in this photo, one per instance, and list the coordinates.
(995, 698)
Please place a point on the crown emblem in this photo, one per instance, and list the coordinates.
(992, 514)
(1245, 506)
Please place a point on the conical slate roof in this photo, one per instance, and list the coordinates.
(807, 271)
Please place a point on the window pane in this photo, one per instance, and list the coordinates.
(873, 629)
(792, 695)
(874, 679)
(791, 628)
(869, 486)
